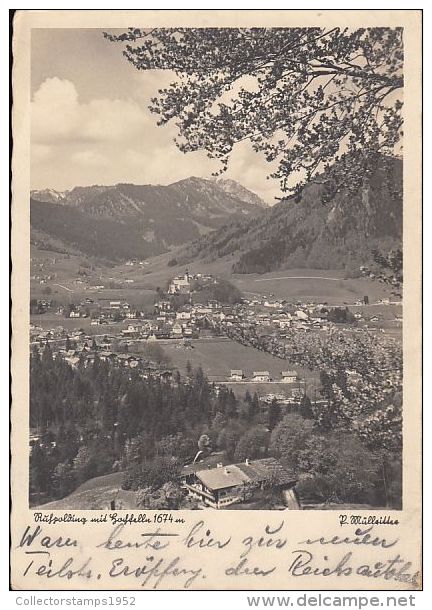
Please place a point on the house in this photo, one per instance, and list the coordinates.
(166, 376)
(236, 375)
(263, 376)
(230, 484)
(289, 376)
(131, 331)
(177, 330)
(163, 305)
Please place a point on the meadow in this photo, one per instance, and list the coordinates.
(218, 356)
(315, 285)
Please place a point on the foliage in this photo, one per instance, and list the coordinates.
(289, 437)
(155, 353)
(177, 445)
(332, 466)
(274, 414)
(168, 497)
(300, 96)
(99, 414)
(341, 315)
(253, 444)
(305, 407)
(151, 474)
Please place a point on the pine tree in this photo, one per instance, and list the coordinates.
(274, 414)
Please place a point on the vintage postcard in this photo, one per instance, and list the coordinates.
(216, 348)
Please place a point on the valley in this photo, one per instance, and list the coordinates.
(218, 347)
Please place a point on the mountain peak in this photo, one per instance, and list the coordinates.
(236, 189)
(148, 219)
(309, 234)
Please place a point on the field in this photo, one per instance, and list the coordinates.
(316, 285)
(64, 289)
(218, 356)
(313, 285)
(97, 493)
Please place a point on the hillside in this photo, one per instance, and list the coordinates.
(97, 494)
(138, 221)
(307, 233)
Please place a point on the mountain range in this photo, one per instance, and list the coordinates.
(205, 220)
(342, 233)
(138, 221)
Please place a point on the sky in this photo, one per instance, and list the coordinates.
(90, 122)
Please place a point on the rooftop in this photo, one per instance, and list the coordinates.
(254, 471)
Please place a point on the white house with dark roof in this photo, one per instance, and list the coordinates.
(236, 375)
(289, 376)
(233, 483)
(263, 376)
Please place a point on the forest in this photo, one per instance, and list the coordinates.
(101, 418)
(302, 232)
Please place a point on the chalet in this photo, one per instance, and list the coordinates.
(236, 375)
(131, 331)
(126, 359)
(166, 376)
(163, 305)
(177, 330)
(230, 484)
(289, 376)
(263, 376)
(203, 310)
(283, 323)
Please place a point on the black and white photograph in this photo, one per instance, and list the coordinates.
(216, 268)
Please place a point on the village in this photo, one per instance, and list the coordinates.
(307, 336)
